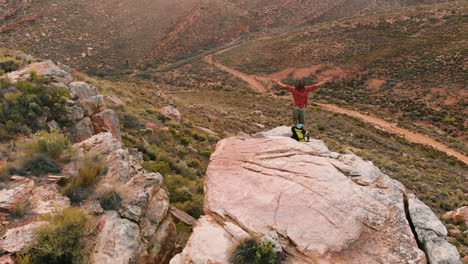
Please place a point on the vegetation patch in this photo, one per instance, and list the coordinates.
(62, 240)
(77, 187)
(254, 252)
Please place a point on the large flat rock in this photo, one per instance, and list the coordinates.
(323, 207)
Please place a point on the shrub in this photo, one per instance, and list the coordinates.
(110, 199)
(88, 172)
(157, 166)
(252, 252)
(61, 241)
(23, 258)
(50, 144)
(19, 209)
(39, 164)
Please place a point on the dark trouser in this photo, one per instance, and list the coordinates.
(298, 116)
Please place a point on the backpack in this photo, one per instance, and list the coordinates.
(300, 134)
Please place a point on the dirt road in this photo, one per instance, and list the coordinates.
(379, 123)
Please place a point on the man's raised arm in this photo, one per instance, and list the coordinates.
(279, 83)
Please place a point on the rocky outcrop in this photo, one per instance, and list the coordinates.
(137, 229)
(85, 113)
(141, 225)
(459, 215)
(17, 239)
(431, 233)
(318, 206)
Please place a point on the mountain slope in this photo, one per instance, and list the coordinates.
(408, 63)
(125, 34)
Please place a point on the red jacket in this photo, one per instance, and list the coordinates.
(300, 97)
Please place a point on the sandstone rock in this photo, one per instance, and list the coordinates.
(209, 243)
(107, 121)
(121, 167)
(424, 219)
(118, 242)
(152, 126)
(7, 259)
(103, 143)
(17, 239)
(47, 198)
(461, 214)
(93, 207)
(113, 100)
(74, 113)
(156, 211)
(306, 196)
(82, 90)
(440, 251)
(82, 130)
(47, 69)
(19, 192)
(432, 234)
(92, 105)
(140, 190)
(171, 113)
(161, 244)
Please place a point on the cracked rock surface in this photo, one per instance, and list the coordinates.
(323, 207)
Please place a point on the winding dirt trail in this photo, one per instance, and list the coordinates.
(379, 123)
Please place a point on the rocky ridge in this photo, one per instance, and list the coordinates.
(85, 111)
(140, 229)
(317, 206)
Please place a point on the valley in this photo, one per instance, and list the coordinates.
(170, 80)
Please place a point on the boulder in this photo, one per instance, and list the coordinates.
(103, 143)
(74, 113)
(17, 239)
(18, 191)
(82, 130)
(82, 90)
(152, 126)
(432, 234)
(7, 259)
(107, 121)
(113, 100)
(46, 69)
(161, 246)
(322, 207)
(92, 105)
(118, 241)
(171, 113)
(209, 243)
(47, 198)
(461, 214)
(140, 189)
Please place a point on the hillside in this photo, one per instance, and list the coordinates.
(106, 35)
(180, 151)
(405, 65)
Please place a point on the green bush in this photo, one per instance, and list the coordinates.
(32, 101)
(61, 241)
(157, 166)
(50, 144)
(253, 252)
